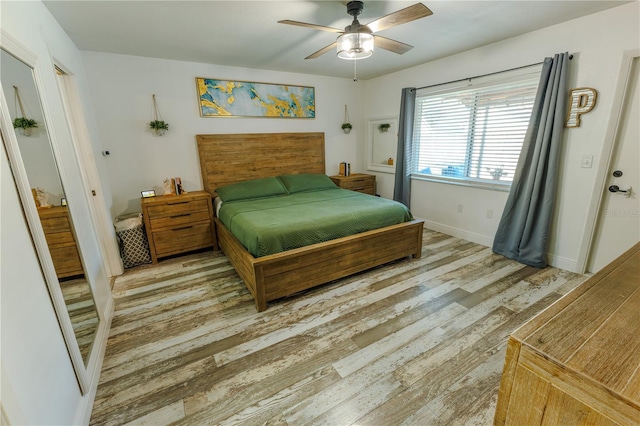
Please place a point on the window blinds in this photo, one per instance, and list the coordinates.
(473, 132)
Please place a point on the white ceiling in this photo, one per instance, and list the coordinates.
(246, 33)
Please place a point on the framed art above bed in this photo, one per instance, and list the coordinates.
(229, 98)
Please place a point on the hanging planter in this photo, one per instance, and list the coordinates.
(23, 124)
(159, 126)
(346, 126)
(384, 127)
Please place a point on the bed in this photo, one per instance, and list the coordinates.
(231, 159)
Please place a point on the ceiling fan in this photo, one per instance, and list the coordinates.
(356, 41)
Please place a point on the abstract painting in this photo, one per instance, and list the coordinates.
(227, 98)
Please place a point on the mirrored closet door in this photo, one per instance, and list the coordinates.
(35, 170)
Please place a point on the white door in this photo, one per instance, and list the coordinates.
(618, 226)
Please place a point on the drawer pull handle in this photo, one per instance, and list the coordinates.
(181, 215)
(180, 229)
(178, 202)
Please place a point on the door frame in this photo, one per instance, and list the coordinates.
(606, 156)
(104, 229)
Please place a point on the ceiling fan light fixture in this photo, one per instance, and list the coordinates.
(354, 46)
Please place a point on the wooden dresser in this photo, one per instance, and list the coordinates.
(178, 223)
(61, 240)
(359, 182)
(578, 362)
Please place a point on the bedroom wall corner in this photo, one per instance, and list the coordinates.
(597, 55)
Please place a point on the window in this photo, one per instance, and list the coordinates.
(473, 134)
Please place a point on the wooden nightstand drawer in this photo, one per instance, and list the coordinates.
(177, 208)
(178, 223)
(359, 182)
(66, 260)
(57, 238)
(61, 241)
(55, 224)
(182, 238)
(179, 219)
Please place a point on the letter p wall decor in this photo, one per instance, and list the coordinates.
(582, 100)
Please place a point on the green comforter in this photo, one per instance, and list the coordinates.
(276, 224)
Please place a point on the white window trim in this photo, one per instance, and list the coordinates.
(468, 182)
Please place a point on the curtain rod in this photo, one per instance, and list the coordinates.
(483, 75)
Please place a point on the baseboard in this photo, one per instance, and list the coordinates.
(459, 233)
(565, 263)
(83, 415)
(561, 262)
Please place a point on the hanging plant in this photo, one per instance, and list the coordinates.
(158, 125)
(384, 127)
(23, 123)
(346, 126)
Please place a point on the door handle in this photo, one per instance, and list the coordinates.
(615, 189)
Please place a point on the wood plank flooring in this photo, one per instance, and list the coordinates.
(82, 312)
(415, 342)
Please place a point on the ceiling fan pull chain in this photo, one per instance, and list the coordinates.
(355, 77)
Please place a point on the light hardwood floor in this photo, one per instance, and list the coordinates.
(82, 312)
(413, 342)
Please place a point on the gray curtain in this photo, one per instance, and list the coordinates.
(402, 186)
(523, 232)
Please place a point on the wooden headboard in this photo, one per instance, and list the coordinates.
(231, 158)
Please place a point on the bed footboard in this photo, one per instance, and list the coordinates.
(282, 274)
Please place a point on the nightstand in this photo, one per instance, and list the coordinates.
(178, 223)
(358, 182)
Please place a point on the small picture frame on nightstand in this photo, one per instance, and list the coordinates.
(148, 193)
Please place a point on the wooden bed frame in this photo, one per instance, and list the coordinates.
(231, 158)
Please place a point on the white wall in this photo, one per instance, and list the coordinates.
(122, 87)
(597, 42)
(33, 354)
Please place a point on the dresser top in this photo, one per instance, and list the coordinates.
(595, 329)
(353, 176)
(169, 199)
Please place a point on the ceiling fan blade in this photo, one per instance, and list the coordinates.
(401, 16)
(322, 51)
(312, 26)
(391, 45)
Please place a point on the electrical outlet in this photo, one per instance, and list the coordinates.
(460, 208)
